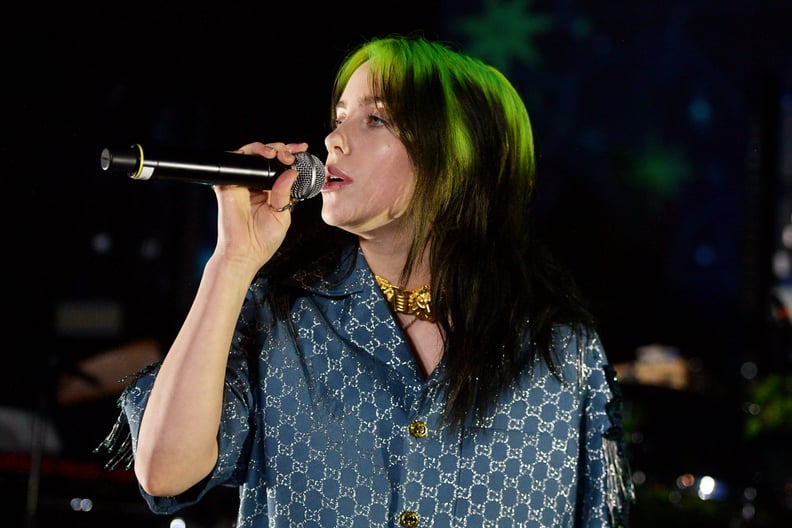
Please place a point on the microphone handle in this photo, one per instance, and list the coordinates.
(217, 168)
(220, 168)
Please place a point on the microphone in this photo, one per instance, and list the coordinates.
(220, 168)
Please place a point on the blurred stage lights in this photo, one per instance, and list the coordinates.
(83, 505)
(704, 487)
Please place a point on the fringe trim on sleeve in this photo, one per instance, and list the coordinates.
(118, 442)
(620, 491)
(120, 450)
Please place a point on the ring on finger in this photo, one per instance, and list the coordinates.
(288, 207)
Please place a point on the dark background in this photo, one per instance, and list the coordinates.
(664, 141)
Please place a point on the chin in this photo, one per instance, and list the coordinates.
(329, 218)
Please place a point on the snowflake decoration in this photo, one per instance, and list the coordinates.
(503, 33)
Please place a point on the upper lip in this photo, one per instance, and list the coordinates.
(334, 173)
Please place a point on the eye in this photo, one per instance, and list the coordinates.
(376, 121)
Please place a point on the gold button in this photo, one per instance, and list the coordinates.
(418, 429)
(408, 519)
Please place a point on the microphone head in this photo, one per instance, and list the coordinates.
(311, 176)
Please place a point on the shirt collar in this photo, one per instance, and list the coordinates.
(339, 282)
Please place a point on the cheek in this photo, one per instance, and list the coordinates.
(401, 189)
(394, 164)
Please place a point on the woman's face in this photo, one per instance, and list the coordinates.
(370, 177)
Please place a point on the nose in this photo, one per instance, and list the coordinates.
(334, 141)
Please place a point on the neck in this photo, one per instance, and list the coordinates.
(387, 258)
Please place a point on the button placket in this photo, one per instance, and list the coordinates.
(418, 429)
(409, 519)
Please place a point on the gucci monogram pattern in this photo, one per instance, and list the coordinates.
(336, 427)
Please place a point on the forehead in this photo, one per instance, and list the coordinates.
(358, 91)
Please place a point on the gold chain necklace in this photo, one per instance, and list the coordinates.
(416, 302)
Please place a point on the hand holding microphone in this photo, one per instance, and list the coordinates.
(218, 168)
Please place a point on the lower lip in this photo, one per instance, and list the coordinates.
(333, 185)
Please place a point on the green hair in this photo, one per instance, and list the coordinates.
(462, 122)
(469, 138)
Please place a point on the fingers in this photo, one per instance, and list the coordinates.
(283, 151)
(280, 198)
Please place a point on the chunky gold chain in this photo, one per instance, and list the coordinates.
(416, 302)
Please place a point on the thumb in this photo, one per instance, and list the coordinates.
(280, 195)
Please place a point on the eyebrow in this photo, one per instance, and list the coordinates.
(366, 101)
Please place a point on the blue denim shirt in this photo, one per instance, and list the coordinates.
(336, 426)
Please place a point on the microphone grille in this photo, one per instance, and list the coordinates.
(311, 176)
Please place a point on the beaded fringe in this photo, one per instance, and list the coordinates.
(118, 449)
(117, 444)
(620, 493)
